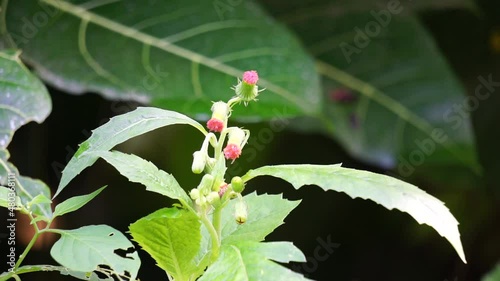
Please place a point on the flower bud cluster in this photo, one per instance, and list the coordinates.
(212, 190)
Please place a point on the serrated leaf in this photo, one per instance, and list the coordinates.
(172, 237)
(118, 130)
(265, 213)
(180, 54)
(142, 171)
(87, 248)
(387, 191)
(251, 261)
(74, 203)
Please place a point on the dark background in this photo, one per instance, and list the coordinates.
(374, 243)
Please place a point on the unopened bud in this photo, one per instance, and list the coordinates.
(237, 184)
(236, 141)
(220, 113)
(199, 162)
(206, 183)
(195, 193)
(240, 212)
(247, 90)
(213, 198)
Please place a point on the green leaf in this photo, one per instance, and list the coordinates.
(4, 196)
(265, 213)
(139, 170)
(251, 261)
(74, 203)
(493, 275)
(405, 93)
(23, 97)
(180, 54)
(118, 130)
(87, 248)
(387, 191)
(172, 237)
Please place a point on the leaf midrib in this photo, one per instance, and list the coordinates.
(140, 36)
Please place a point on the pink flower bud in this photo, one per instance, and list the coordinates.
(222, 189)
(220, 113)
(215, 125)
(250, 77)
(232, 151)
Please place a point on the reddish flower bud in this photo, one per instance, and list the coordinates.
(250, 77)
(222, 190)
(232, 151)
(215, 125)
(247, 90)
(220, 113)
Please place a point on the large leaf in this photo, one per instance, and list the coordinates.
(172, 237)
(389, 97)
(180, 54)
(23, 97)
(142, 171)
(265, 213)
(251, 261)
(387, 191)
(74, 203)
(118, 130)
(88, 248)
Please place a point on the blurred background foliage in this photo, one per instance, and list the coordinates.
(428, 59)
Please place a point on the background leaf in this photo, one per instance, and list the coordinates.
(179, 54)
(118, 130)
(494, 275)
(251, 261)
(265, 213)
(86, 248)
(142, 171)
(389, 95)
(172, 237)
(387, 191)
(74, 203)
(23, 98)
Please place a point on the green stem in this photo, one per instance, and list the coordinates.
(15, 276)
(217, 221)
(213, 235)
(30, 245)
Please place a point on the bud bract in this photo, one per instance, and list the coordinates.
(240, 212)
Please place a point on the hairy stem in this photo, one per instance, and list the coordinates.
(217, 221)
(213, 235)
